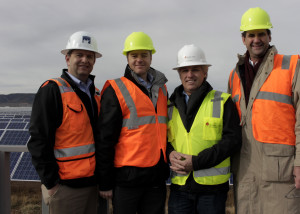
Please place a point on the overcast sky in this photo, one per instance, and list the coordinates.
(34, 31)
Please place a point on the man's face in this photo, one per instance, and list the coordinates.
(80, 63)
(192, 77)
(257, 43)
(139, 61)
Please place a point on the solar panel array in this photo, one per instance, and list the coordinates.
(14, 131)
(14, 124)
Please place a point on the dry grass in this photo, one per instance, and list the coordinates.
(26, 198)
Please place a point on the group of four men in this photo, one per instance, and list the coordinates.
(119, 143)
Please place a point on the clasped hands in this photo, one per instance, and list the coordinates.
(181, 163)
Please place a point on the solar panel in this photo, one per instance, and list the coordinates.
(15, 137)
(14, 157)
(24, 169)
(27, 126)
(17, 120)
(3, 125)
(14, 124)
(5, 120)
(20, 125)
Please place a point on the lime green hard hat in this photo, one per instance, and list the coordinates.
(254, 19)
(138, 41)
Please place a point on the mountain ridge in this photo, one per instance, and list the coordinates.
(17, 100)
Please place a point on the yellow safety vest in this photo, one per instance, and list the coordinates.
(205, 132)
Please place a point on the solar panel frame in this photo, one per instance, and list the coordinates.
(21, 168)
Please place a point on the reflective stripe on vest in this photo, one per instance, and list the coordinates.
(74, 151)
(209, 119)
(74, 147)
(144, 129)
(134, 121)
(273, 114)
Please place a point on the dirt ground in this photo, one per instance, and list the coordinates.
(26, 198)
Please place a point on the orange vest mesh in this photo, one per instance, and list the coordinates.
(272, 121)
(140, 146)
(75, 131)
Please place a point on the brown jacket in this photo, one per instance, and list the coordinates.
(263, 172)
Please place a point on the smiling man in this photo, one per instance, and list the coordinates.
(203, 132)
(63, 119)
(131, 163)
(266, 90)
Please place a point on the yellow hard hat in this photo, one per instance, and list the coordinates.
(138, 41)
(254, 19)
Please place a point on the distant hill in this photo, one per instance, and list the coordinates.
(16, 100)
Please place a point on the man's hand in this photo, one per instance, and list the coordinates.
(187, 163)
(181, 163)
(297, 176)
(53, 190)
(106, 194)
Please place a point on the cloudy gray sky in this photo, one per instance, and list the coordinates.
(34, 31)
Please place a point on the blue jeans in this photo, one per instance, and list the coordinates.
(196, 203)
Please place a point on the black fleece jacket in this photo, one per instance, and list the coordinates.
(229, 144)
(109, 128)
(46, 117)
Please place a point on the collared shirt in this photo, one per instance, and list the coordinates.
(147, 84)
(186, 97)
(84, 87)
(252, 63)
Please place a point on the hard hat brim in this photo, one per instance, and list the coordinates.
(65, 51)
(190, 64)
(262, 27)
(153, 51)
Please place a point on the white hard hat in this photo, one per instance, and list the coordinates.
(190, 55)
(83, 41)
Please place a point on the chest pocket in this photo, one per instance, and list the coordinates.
(212, 128)
(76, 117)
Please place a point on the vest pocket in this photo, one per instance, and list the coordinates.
(212, 128)
(75, 116)
(77, 168)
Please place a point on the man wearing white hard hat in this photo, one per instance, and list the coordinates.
(64, 115)
(203, 132)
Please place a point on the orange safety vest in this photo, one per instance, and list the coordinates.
(74, 147)
(144, 131)
(273, 114)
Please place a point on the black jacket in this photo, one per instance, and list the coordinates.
(108, 132)
(46, 117)
(229, 144)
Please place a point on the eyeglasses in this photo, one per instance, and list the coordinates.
(293, 193)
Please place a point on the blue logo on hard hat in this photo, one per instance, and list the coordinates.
(86, 39)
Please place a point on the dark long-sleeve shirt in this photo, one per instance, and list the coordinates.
(46, 117)
(229, 144)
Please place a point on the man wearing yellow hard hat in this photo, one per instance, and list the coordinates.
(131, 163)
(265, 87)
